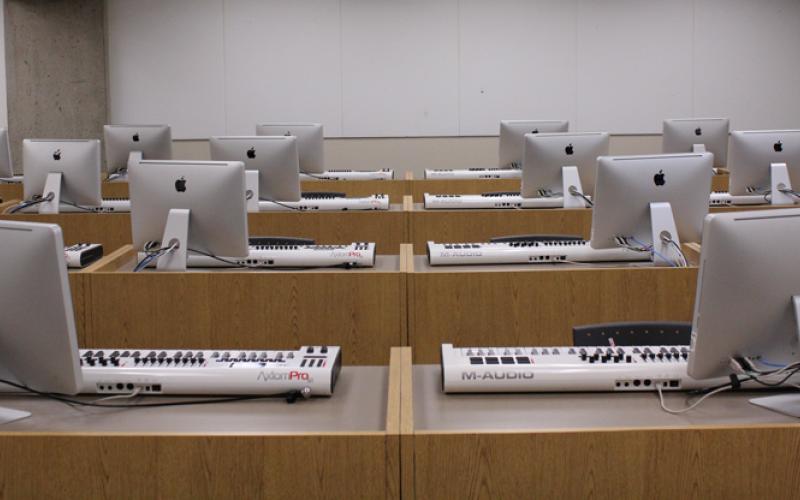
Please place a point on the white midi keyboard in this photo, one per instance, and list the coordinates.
(571, 369)
(527, 252)
(384, 174)
(314, 204)
(291, 256)
(722, 198)
(308, 371)
(473, 173)
(488, 200)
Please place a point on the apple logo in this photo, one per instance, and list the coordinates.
(569, 149)
(251, 153)
(698, 131)
(57, 154)
(136, 137)
(180, 185)
(778, 147)
(659, 178)
(535, 131)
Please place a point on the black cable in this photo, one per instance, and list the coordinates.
(280, 204)
(78, 206)
(37, 199)
(343, 265)
(322, 178)
(69, 400)
(574, 192)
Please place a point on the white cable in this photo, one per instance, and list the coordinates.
(693, 405)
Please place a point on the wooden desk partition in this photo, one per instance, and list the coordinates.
(10, 192)
(345, 446)
(597, 446)
(481, 225)
(387, 228)
(536, 304)
(362, 310)
(110, 230)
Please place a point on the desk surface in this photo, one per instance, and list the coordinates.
(436, 412)
(383, 264)
(358, 405)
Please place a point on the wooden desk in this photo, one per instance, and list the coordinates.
(387, 228)
(481, 225)
(362, 310)
(536, 304)
(719, 182)
(345, 446)
(595, 446)
(110, 230)
(10, 192)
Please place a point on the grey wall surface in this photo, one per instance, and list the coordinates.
(56, 70)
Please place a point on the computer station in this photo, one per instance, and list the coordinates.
(406, 250)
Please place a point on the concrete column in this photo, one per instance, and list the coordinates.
(55, 70)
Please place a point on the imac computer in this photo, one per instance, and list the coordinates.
(512, 134)
(61, 171)
(509, 150)
(188, 207)
(311, 149)
(126, 144)
(310, 142)
(747, 307)
(652, 201)
(194, 214)
(6, 165)
(562, 164)
(37, 327)
(40, 350)
(765, 163)
(273, 157)
(644, 207)
(695, 135)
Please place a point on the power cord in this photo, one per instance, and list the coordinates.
(276, 268)
(574, 192)
(153, 254)
(280, 204)
(37, 199)
(290, 396)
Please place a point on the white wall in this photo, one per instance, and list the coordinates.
(451, 67)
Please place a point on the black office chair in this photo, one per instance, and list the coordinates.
(633, 333)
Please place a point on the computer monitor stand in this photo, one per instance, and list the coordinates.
(788, 404)
(52, 185)
(571, 181)
(780, 182)
(251, 188)
(121, 175)
(662, 224)
(8, 415)
(176, 231)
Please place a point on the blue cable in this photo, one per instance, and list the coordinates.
(653, 250)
